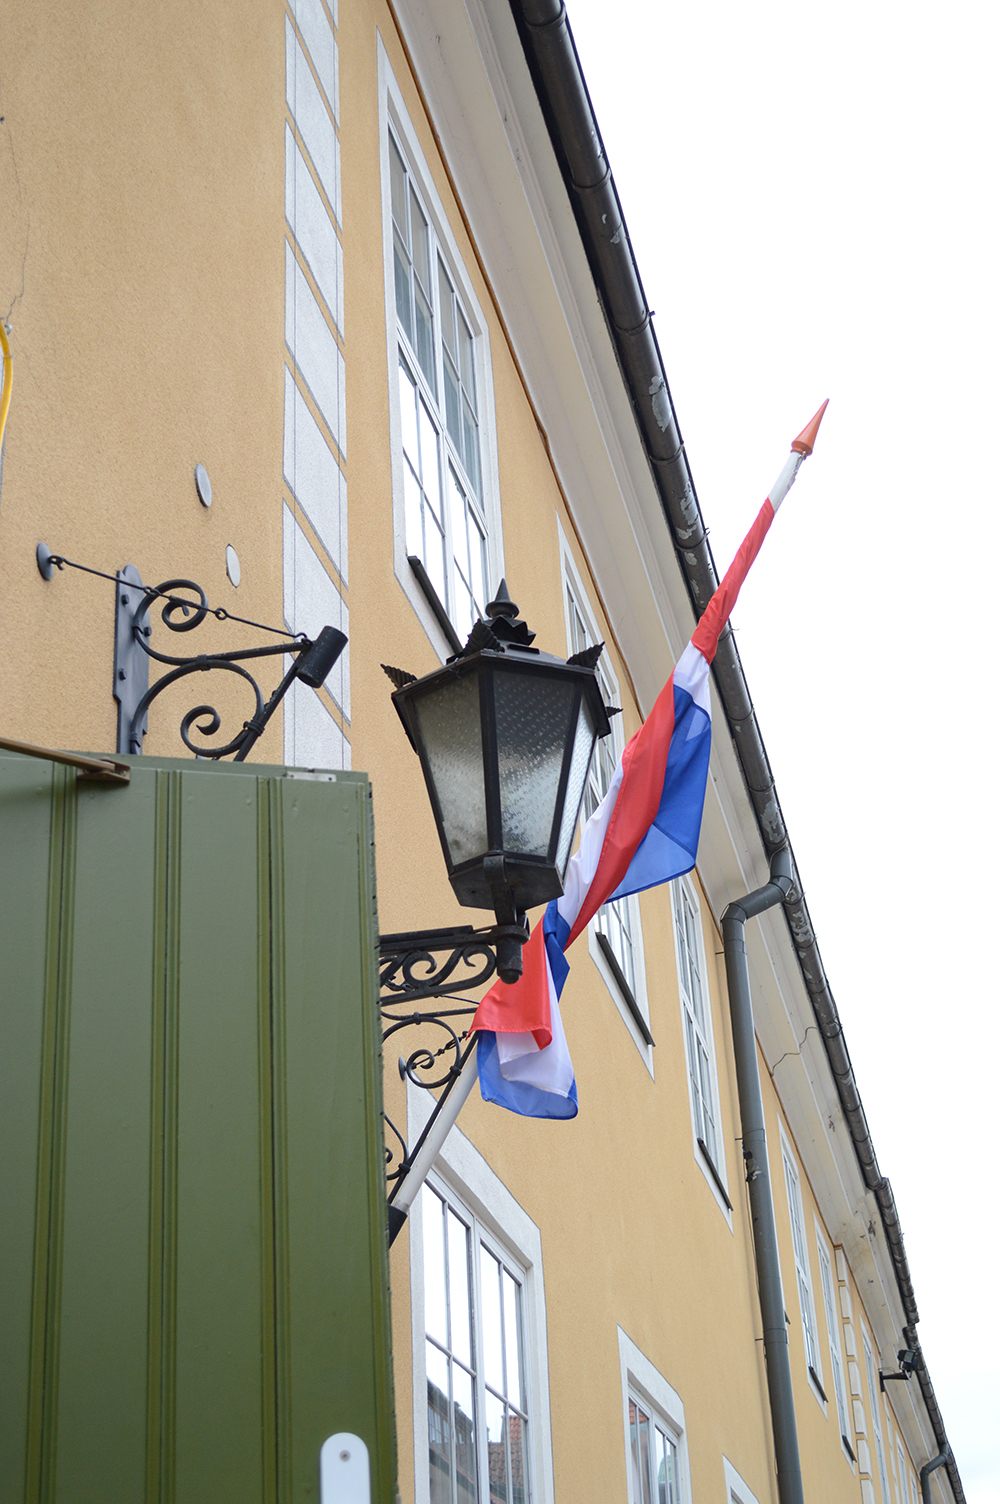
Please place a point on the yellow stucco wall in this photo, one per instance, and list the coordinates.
(141, 174)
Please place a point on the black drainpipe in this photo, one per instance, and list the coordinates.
(927, 1469)
(765, 1236)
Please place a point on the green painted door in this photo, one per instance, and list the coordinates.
(193, 1271)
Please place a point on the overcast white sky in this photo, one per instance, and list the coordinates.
(812, 197)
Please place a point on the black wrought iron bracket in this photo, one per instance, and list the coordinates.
(415, 967)
(186, 607)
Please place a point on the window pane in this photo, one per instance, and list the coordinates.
(492, 1329)
(465, 353)
(466, 1472)
(435, 1294)
(458, 1280)
(470, 445)
(425, 339)
(459, 531)
(462, 614)
(511, 1328)
(496, 1447)
(418, 240)
(404, 307)
(408, 417)
(669, 1491)
(414, 513)
(451, 404)
(397, 178)
(660, 1466)
(434, 556)
(447, 300)
(477, 564)
(438, 1426)
(518, 1448)
(639, 1429)
(430, 472)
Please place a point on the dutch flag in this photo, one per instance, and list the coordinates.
(644, 832)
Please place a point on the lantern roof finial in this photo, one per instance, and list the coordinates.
(504, 621)
(501, 604)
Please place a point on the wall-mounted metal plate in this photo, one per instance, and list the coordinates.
(203, 485)
(131, 672)
(344, 1474)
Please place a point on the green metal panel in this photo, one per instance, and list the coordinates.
(194, 1283)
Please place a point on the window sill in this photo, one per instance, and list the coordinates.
(814, 1376)
(848, 1448)
(435, 602)
(715, 1174)
(607, 951)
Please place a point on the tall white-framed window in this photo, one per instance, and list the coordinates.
(477, 1403)
(655, 1435)
(873, 1393)
(903, 1471)
(699, 1047)
(480, 1366)
(803, 1272)
(833, 1336)
(446, 515)
(615, 933)
(913, 1486)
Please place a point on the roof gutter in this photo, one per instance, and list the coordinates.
(562, 93)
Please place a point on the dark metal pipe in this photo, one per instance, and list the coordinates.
(765, 1236)
(927, 1469)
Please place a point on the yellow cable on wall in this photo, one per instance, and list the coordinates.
(8, 380)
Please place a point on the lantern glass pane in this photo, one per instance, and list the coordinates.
(534, 720)
(583, 746)
(450, 728)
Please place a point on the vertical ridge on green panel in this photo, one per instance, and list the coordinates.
(378, 1264)
(269, 940)
(333, 1156)
(27, 812)
(219, 1412)
(164, 969)
(104, 1245)
(44, 1380)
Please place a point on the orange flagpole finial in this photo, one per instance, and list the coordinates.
(807, 438)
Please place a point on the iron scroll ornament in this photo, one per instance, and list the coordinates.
(312, 659)
(413, 969)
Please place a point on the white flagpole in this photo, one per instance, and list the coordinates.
(431, 1147)
(802, 448)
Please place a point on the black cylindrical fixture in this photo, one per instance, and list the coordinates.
(319, 658)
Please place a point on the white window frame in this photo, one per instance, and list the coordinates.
(393, 115)
(642, 1381)
(737, 1491)
(462, 1174)
(827, 1280)
(683, 891)
(873, 1393)
(575, 595)
(803, 1270)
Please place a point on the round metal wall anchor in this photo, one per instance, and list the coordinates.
(43, 558)
(232, 564)
(203, 485)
